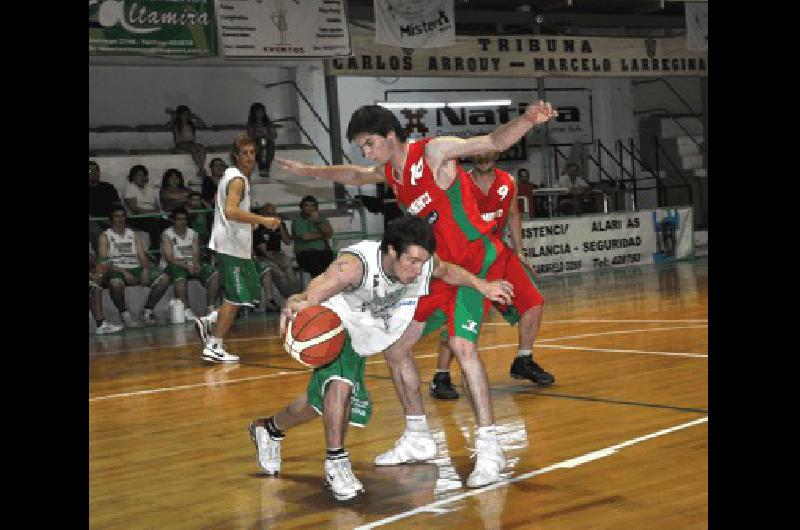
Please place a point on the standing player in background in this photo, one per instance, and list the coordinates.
(496, 195)
(232, 240)
(428, 182)
(373, 287)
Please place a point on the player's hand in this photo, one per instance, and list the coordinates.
(293, 304)
(498, 291)
(541, 112)
(271, 223)
(293, 166)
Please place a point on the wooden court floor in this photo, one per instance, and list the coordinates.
(620, 440)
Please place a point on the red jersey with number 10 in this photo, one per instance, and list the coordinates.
(495, 203)
(452, 213)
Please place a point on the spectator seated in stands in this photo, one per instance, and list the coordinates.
(261, 129)
(200, 222)
(174, 192)
(577, 201)
(311, 233)
(96, 295)
(208, 189)
(267, 252)
(141, 198)
(182, 123)
(180, 251)
(129, 264)
(102, 197)
(528, 207)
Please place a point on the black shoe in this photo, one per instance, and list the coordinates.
(442, 387)
(526, 368)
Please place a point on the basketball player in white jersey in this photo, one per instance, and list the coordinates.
(180, 249)
(232, 240)
(129, 265)
(373, 287)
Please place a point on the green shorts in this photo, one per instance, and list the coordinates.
(137, 273)
(239, 279)
(262, 267)
(348, 367)
(177, 272)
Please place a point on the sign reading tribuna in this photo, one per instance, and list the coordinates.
(525, 56)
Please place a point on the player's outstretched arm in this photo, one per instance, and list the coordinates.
(347, 271)
(353, 175)
(496, 290)
(449, 148)
(235, 213)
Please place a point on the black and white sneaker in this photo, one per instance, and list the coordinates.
(442, 386)
(339, 478)
(526, 368)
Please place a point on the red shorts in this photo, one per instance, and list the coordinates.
(509, 267)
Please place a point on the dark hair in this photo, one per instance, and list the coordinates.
(251, 116)
(177, 210)
(374, 119)
(167, 174)
(93, 163)
(117, 208)
(180, 109)
(408, 230)
(215, 159)
(135, 169)
(309, 198)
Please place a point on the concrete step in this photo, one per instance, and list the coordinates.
(701, 172)
(671, 129)
(692, 162)
(689, 145)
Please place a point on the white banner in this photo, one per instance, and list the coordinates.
(283, 28)
(696, 25)
(587, 243)
(524, 56)
(415, 23)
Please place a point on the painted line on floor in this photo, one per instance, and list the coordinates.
(436, 507)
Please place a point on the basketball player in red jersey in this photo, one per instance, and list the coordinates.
(428, 182)
(496, 194)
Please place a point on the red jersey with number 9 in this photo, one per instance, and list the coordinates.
(452, 213)
(494, 204)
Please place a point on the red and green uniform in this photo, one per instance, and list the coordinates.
(462, 238)
(493, 206)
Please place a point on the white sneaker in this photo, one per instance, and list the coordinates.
(203, 328)
(411, 447)
(128, 321)
(149, 318)
(488, 465)
(188, 314)
(339, 478)
(268, 449)
(107, 327)
(218, 354)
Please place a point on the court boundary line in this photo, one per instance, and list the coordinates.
(435, 507)
(421, 356)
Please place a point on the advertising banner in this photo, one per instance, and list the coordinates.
(152, 27)
(283, 28)
(575, 244)
(415, 23)
(525, 56)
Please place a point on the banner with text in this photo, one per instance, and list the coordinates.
(152, 27)
(587, 243)
(572, 124)
(415, 23)
(525, 56)
(284, 28)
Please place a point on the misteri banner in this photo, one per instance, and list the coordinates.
(157, 27)
(525, 56)
(573, 244)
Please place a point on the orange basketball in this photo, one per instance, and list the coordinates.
(315, 337)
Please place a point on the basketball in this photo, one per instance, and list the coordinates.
(315, 337)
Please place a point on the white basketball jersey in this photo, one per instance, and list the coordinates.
(122, 249)
(377, 312)
(231, 237)
(182, 247)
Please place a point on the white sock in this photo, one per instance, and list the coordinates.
(212, 317)
(524, 353)
(416, 423)
(487, 433)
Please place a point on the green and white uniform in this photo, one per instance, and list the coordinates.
(233, 243)
(375, 314)
(183, 249)
(122, 253)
